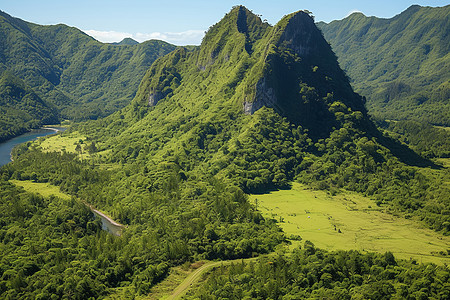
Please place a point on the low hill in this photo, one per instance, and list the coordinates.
(400, 64)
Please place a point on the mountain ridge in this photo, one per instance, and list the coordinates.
(399, 63)
(71, 70)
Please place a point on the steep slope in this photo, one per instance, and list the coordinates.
(259, 106)
(252, 109)
(400, 64)
(80, 76)
(20, 108)
(289, 68)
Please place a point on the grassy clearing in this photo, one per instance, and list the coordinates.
(65, 142)
(44, 189)
(318, 217)
(164, 289)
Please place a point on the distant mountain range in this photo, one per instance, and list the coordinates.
(401, 64)
(70, 71)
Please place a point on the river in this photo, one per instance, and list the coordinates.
(6, 147)
(5, 157)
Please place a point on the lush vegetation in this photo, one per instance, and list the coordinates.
(427, 140)
(311, 273)
(70, 71)
(350, 221)
(49, 247)
(175, 164)
(400, 64)
(20, 108)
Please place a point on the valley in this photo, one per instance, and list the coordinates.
(248, 163)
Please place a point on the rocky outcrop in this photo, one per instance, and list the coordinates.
(264, 96)
(301, 34)
(154, 97)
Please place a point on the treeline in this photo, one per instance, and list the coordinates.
(270, 152)
(311, 273)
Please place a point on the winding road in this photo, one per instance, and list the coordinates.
(180, 290)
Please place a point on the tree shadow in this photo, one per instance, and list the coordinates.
(405, 154)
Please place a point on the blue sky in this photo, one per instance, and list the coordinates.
(183, 22)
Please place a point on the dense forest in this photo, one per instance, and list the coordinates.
(311, 273)
(427, 140)
(401, 64)
(252, 109)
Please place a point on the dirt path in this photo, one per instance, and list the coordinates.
(180, 290)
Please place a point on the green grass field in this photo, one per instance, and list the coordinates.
(44, 189)
(318, 217)
(67, 142)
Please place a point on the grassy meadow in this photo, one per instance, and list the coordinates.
(350, 221)
(42, 188)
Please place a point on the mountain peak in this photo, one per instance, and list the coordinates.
(126, 41)
(300, 33)
(238, 26)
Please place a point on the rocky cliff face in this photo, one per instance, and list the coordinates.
(264, 96)
(154, 97)
(300, 34)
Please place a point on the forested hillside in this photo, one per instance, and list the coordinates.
(312, 273)
(252, 109)
(81, 77)
(20, 108)
(400, 64)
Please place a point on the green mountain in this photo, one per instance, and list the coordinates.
(252, 109)
(21, 108)
(400, 64)
(126, 41)
(81, 77)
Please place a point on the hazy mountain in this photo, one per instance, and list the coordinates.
(80, 76)
(400, 64)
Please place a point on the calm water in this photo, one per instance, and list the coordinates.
(5, 157)
(6, 147)
(108, 226)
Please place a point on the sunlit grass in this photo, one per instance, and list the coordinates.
(318, 217)
(67, 143)
(44, 189)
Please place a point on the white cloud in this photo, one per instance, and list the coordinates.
(189, 37)
(108, 36)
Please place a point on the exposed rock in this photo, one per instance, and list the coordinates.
(264, 96)
(153, 98)
(300, 33)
